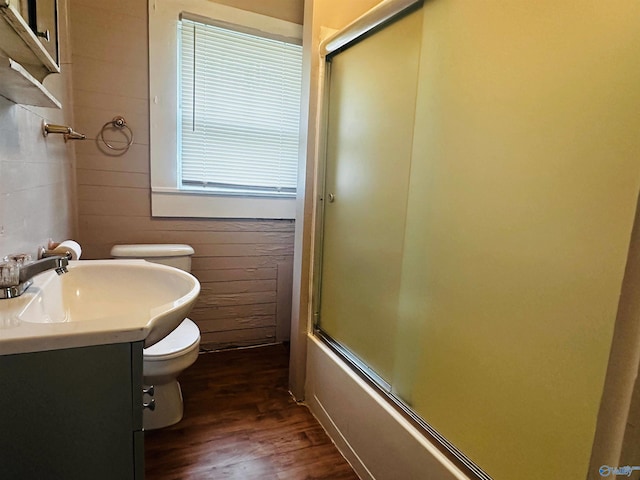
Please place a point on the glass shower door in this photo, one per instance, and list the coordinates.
(368, 155)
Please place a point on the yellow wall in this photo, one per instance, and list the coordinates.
(524, 180)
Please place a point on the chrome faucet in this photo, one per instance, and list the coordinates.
(30, 270)
(16, 277)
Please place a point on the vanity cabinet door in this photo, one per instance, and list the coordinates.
(69, 414)
(138, 399)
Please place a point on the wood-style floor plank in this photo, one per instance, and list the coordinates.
(241, 423)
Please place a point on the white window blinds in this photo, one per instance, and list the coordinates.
(240, 109)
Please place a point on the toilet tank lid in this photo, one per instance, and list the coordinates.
(151, 250)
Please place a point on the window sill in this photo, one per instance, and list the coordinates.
(180, 203)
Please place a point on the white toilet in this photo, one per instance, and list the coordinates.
(164, 361)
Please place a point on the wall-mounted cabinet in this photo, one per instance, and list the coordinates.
(24, 59)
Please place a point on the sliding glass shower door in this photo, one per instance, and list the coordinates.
(480, 189)
(369, 140)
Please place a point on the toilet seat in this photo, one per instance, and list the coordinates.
(184, 337)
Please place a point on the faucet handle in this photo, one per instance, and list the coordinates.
(9, 274)
(19, 258)
(10, 268)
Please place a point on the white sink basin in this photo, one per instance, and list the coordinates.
(130, 298)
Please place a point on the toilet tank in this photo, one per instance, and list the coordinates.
(174, 255)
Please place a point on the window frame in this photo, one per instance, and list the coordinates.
(167, 198)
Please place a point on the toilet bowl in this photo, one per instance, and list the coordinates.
(164, 361)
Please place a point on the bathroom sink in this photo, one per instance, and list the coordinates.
(103, 296)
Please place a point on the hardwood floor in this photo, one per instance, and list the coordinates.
(241, 423)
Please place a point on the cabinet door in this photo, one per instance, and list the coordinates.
(136, 406)
(67, 414)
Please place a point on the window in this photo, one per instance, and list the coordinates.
(240, 110)
(224, 106)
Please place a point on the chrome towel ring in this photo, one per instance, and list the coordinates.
(118, 123)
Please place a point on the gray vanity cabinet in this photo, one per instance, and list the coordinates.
(72, 414)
